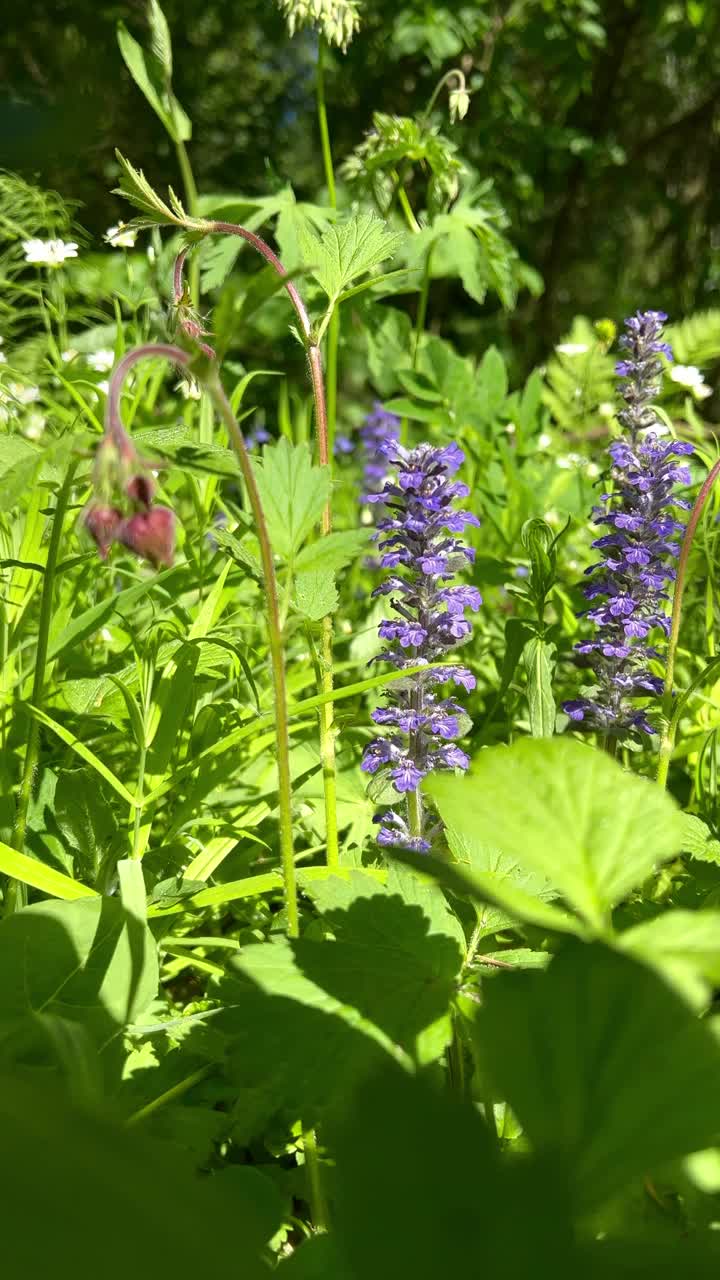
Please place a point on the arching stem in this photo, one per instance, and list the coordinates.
(114, 427)
(667, 743)
(193, 330)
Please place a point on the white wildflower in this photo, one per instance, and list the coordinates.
(544, 440)
(34, 425)
(567, 461)
(103, 386)
(67, 356)
(606, 410)
(120, 236)
(24, 394)
(338, 20)
(552, 517)
(572, 348)
(101, 360)
(106, 635)
(592, 470)
(151, 254)
(49, 253)
(190, 388)
(688, 375)
(511, 428)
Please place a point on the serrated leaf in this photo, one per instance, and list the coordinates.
(566, 812)
(293, 493)
(333, 551)
(698, 840)
(347, 251)
(160, 39)
(315, 593)
(136, 189)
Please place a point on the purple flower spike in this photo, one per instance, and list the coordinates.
(417, 536)
(379, 428)
(634, 573)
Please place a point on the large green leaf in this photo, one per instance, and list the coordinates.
(566, 812)
(87, 961)
(293, 493)
(347, 251)
(604, 1065)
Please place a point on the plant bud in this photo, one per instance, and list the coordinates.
(150, 534)
(459, 104)
(141, 488)
(102, 523)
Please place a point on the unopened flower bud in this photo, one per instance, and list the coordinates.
(102, 523)
(150, 534)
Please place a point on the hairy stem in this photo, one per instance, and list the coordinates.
(277, 660)
(667, 743)
(16, 892)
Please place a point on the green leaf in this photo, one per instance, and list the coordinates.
(333, 551)
(135, 188)
(347, 251)
(698, 840)
(84, 752)
(566, 812)
(538, 657)
(136, 63)
(88, 961)
(293, 493)
(160, 40)
(685, 945)
(498, 871)
(39, 876)
(117, 1177)
(315, 593)
(624, 1077)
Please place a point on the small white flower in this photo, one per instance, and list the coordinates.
(67, 356)
(688, 375)
(121, 236)
(102, 360)
(572, 348)
(34, 426)
(103, 386)
(544, 440)
(567, 461)
(606, 409)
(511, 428)
(49, 253)
(151, 254)
(592, 470)
(552, 517)
(106, 635)
(24, 394)
(190, 388)
(366, 516)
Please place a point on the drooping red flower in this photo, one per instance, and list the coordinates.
(150, 534)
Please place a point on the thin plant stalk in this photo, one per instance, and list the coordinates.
(422, 304)
(275, 640)
(16, 892)
(316, 1191)
(334, 326)
(327, 713)
(667, 743)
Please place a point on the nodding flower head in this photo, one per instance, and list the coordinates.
(102, 523)
(420, 546)
(628, 587)
(150, 534)
(338, 20)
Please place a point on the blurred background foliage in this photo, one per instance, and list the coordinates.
(598, 124)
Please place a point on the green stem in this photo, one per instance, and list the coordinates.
(191, 197)
(170, 1095)
(415, 813)
(114, 428)
(318, 1201)
(667, 742)
(277, 656)
(456, 74)
(333, 343)
(16, 894)
(323, 123)
(422, 304)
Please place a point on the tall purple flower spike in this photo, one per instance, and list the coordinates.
(630, 582)
(419, 544)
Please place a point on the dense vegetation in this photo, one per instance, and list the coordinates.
(359, 694)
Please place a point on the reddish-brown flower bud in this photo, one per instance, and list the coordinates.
(103, 523)
(141, 488)
(150, 534)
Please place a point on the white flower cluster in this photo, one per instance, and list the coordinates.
(338, 20)
(48, 253)
(688, 375)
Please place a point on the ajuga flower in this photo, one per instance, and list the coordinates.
(379, 429)
(630, 582)
(338, 20)
(419, 544)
